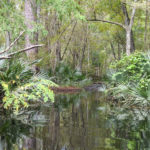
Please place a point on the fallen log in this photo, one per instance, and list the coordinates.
(66, 89)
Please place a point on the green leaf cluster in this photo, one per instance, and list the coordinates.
(11, 18)
(65, 74)
(37, 89)
(66, 9)
(132, 79)
(15, 72)
(132, 68)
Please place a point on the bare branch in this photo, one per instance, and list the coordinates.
(61, 34)
(106, 21)
(69, 40)
(12, 44)
(4, 57)
(24, 50)
(9, 56)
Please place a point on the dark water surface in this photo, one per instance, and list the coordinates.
(82, 121)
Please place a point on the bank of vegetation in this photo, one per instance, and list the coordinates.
(130, 80)
(72, 43)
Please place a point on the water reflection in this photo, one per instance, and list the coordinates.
(82, 121)
(130, 127)
(11, 131)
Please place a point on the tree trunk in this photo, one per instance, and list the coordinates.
(128, 37)
(29, 19)
(88, 55)
(82, 57)
(113, 50)
(8, 35)
(8, 40)
(58, 44)
(130, 46)
(65, 50)
(132, 42)
(146, 25)
(58, 52)
(37, 20)
(128, 42)
(74, 58)
(32, 37)
(119, 52)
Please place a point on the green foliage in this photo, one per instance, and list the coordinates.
(21, 87)
(96, 59)
(66, 9)
(132, 80)
(11, 18)
(132, 68)
(37, 89)
(64, 74)
(133, 122)
(15, 72)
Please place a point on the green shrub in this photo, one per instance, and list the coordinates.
(15, 73)
(130, 81)
(65, 74)
(35, 90)
(132, 68)
(19, 86)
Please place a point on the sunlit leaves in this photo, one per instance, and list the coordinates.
(132, 79)
(38, 89)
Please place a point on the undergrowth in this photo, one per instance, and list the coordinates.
(130, 80)
(64, 74)
(21, 87)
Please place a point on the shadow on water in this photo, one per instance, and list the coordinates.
(81, 121)
(10, 132)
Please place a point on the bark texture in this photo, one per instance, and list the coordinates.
(130, 46)
(29, 16)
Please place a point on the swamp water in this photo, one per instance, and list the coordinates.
(83, 121)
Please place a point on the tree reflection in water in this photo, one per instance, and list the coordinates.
(82, 121)
(11, 131)
(131, 127)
